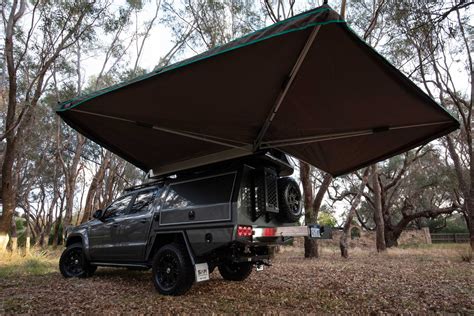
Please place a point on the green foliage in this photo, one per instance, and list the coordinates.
(455, 224)
(20, 224)
(326, 218)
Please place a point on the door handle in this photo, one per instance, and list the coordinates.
(143, 220)
(115, 225)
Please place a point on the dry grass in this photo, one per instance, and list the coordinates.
(37, 262)
(467, 255)
(423, 280)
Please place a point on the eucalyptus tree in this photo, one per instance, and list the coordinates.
(435, 40)
(411, 187)
(205, 24)
(36, 34)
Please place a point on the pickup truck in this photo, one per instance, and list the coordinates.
(228, 215)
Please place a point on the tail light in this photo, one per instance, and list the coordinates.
(244, 231)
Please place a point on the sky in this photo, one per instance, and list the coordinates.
(160, 42)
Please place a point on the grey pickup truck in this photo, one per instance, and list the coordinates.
(228, 215)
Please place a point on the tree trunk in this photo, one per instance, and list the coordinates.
(470, 210)
(310, 245)
(393, 232)
(391, 237)
(311, 206)
(57, 239)
(378, 217)
(347, 225)
(8, 195)
(71, 174)
(469, 201)
(96, 181)
(14, 236)
(27, 239)
(57, 224)
(311, 248)
(343, 9)
(8, 190)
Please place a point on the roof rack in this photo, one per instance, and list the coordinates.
(143, 185)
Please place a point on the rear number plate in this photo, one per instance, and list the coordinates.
(314, 232)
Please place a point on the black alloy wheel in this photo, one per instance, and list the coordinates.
(167, 270)
(173, 272)
(74, 264)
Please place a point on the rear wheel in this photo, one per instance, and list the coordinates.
(235, 271)
(172, 270)
(73, 262)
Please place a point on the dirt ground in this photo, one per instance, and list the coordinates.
(412, 280)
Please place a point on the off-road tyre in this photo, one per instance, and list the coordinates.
(172, 270)
(289, 200)
(232, 271)
(73, 263)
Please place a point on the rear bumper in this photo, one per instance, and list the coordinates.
(312, 231)
(269, 236)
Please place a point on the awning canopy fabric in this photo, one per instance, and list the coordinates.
(307, 86)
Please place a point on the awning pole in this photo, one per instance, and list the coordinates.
(344, 135)
(287, 86)
(205, 138)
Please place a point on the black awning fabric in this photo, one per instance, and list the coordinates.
(307, 86)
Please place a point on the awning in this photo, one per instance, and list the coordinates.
(308, 86)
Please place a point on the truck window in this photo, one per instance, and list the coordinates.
(142, 202)
(118, 207)
(204, 191)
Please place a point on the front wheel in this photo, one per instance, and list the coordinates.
(173, 272)
(73, 263)
(235, 271)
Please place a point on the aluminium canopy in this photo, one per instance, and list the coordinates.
(307, 86)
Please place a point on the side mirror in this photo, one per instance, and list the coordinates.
(98, 214)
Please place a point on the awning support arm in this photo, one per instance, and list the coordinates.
(343, 135)
(205, 138)
(284, 91)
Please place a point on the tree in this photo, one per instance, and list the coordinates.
(312, 205)
(202, 24)
(434, 35)
(350, 215)
(53, 29)
(378, 213)
(412, 187)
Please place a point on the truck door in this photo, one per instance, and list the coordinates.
(104, 235)
(135, 226)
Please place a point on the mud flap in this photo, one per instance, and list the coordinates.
(201, 271)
